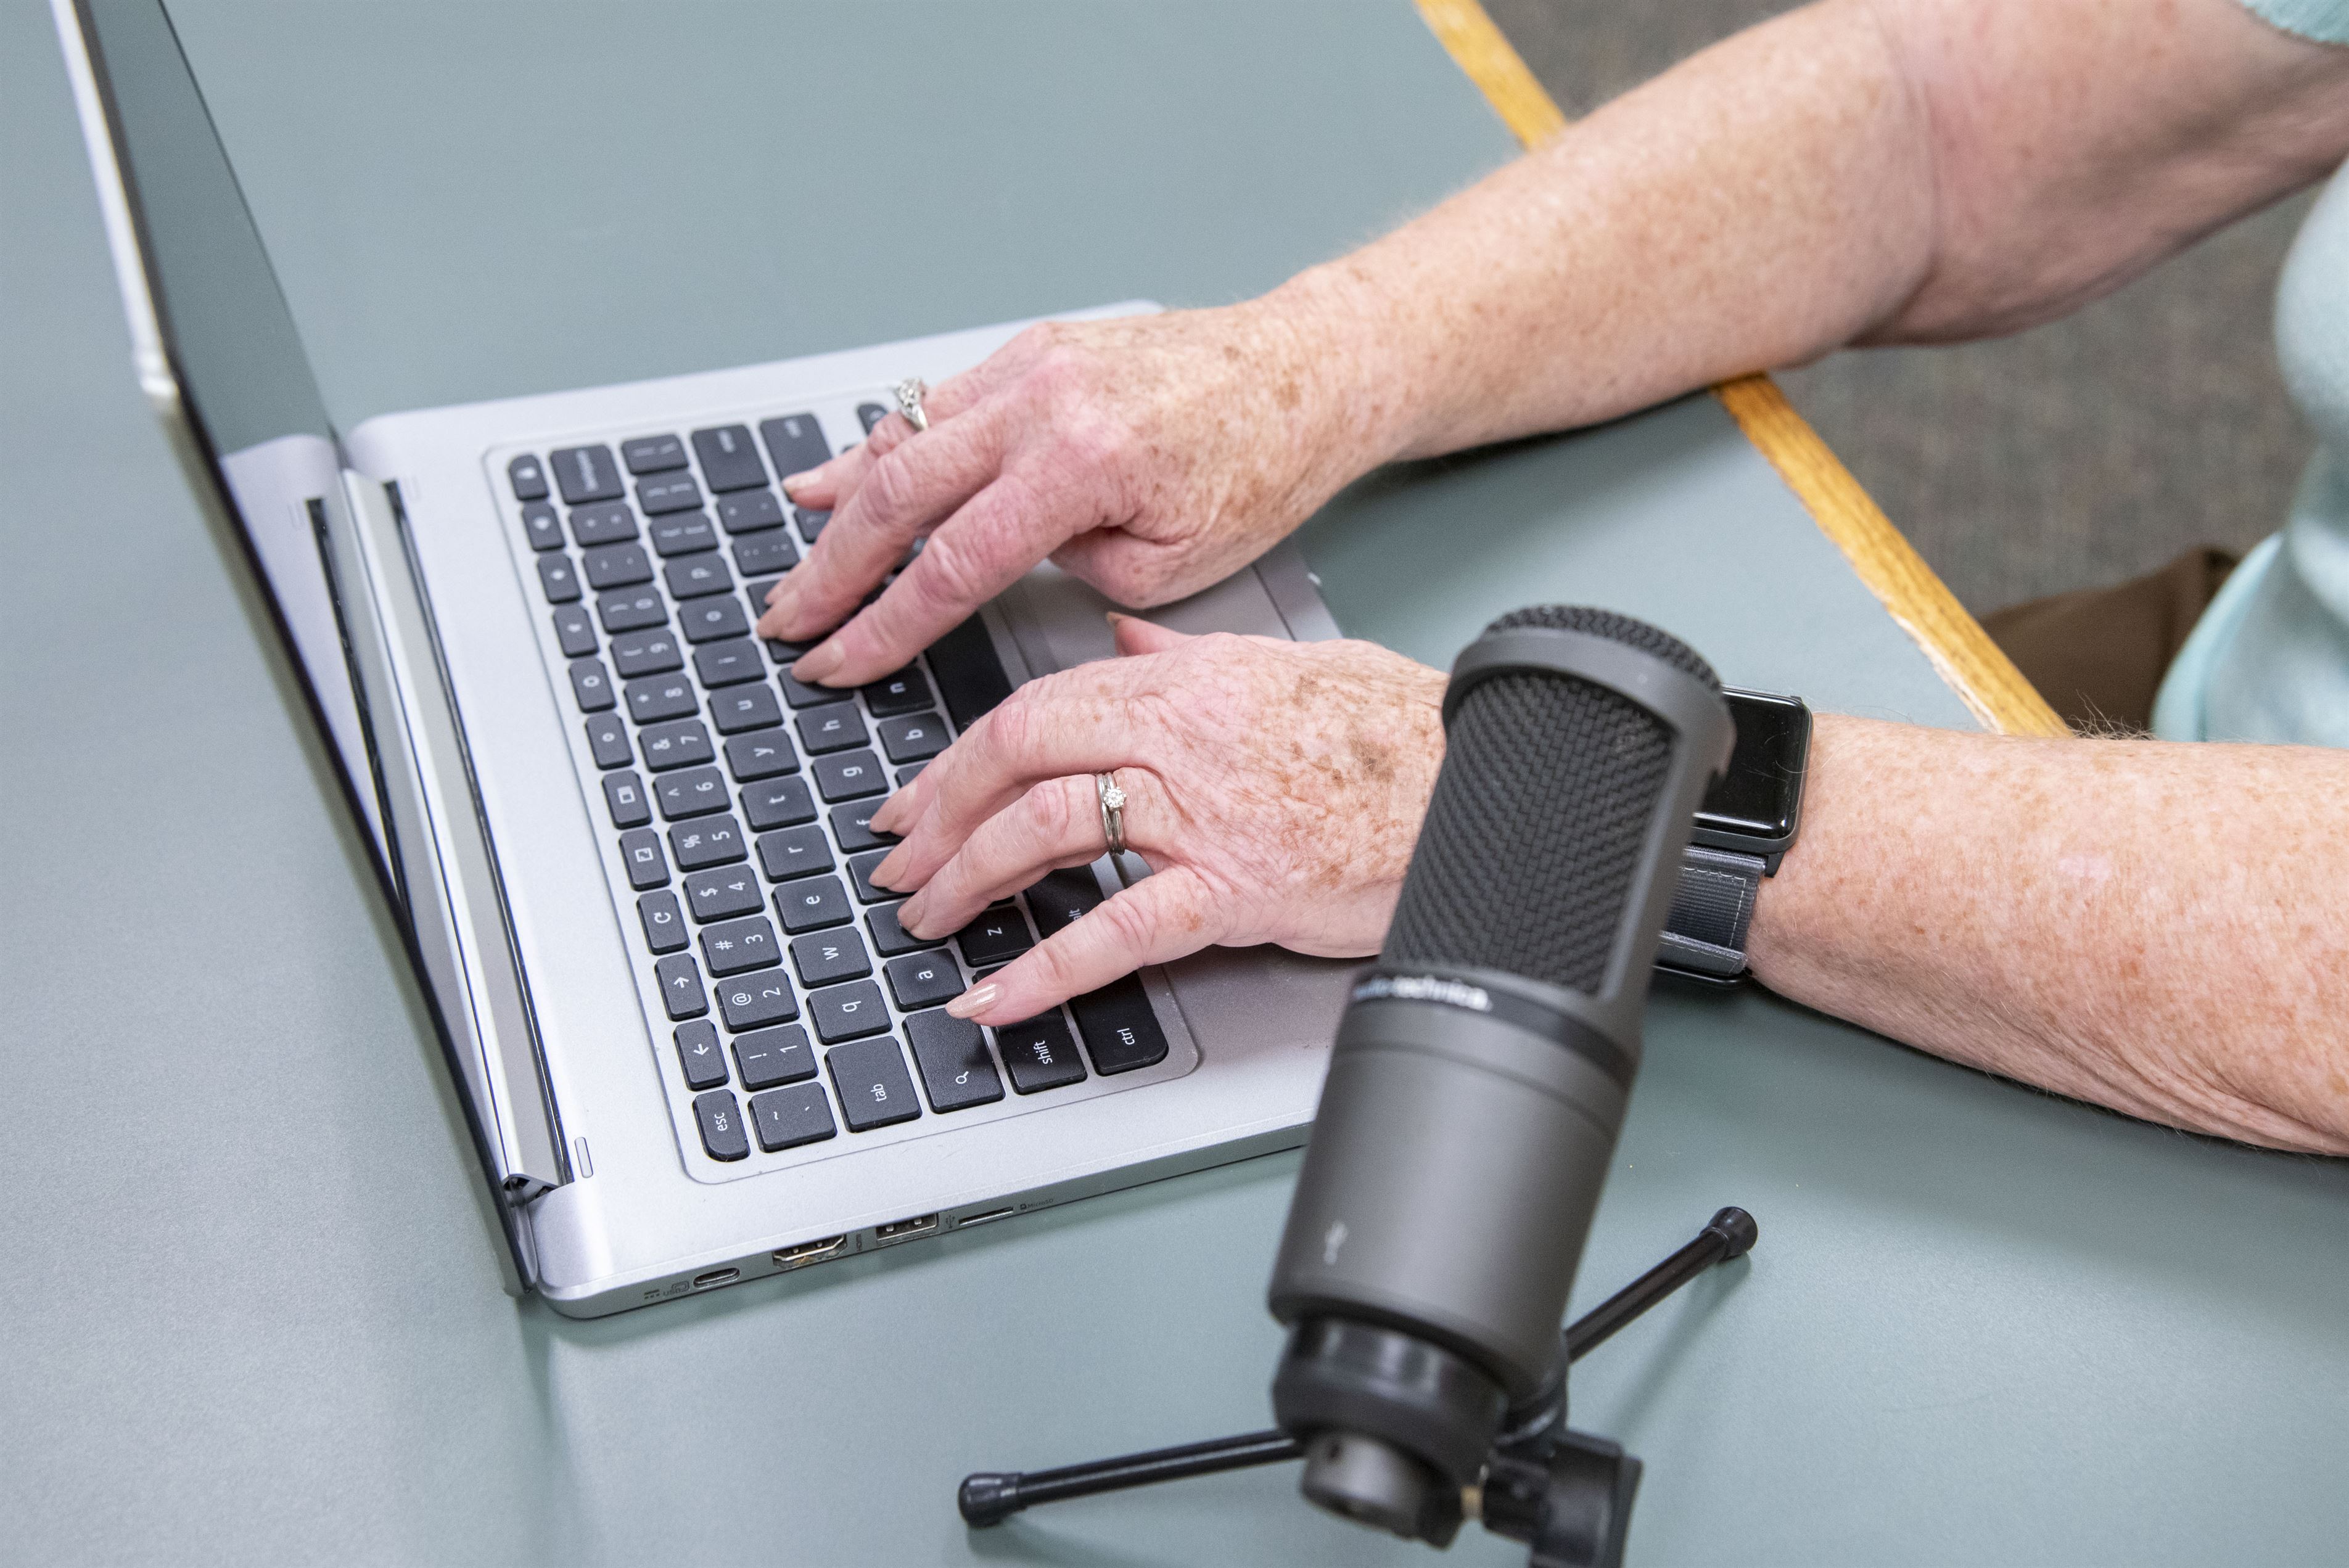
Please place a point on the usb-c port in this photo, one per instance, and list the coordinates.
(716, 1276)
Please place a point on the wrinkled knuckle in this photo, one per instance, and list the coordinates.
(951, 578)
(1054, 966)
(1011, 728)
(1132, 927)
(1047, 806)
(891, 489)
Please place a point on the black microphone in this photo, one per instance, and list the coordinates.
(1483, 1065)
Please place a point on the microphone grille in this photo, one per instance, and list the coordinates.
(1534, 834)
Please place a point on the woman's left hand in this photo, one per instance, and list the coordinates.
(1274, 788)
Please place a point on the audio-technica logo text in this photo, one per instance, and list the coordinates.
(1423, 988)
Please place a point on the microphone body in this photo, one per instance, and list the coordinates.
(1483, 1066)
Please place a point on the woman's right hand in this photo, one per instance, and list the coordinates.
(1150, 456)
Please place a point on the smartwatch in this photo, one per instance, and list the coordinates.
(1742, 829)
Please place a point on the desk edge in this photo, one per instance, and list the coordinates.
(1920, 603)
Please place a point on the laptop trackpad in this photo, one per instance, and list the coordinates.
(1059, 622)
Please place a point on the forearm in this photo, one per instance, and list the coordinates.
(2157, 927)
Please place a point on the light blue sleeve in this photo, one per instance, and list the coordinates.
(2326, 21)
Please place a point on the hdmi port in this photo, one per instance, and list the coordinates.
(920, 1224)
(808, 1252)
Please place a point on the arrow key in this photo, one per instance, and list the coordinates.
(699, 1052)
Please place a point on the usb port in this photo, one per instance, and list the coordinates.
(716, 1276)
(808, 1252)
(919, 1226)
(986, 1217)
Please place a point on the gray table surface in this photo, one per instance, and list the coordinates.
(253, 1314)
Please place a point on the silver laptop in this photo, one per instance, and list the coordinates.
(627, 852)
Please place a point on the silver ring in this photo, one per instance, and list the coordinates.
(1113, 805)
(909, 393)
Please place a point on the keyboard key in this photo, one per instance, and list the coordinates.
(724, 892)
(664, 923)
(796, 443)
(528, 479)
(584, 473)
(822, 957)
(889, 938)
(1060, 898)
(729, 663)
(737, 708)
(849, 776)
(610, 524)
(836, 727)
(761, 754)
(794, 852)
(559, 578)
(924, 979)
(755, 1001)
(653, 454)
(749, 511)
(591, 685)
(624, 795)
(691, 576)
(542, 526)
(646, 653)
(629, 610)
(914, 738)
(951, 1056)
(809, 523)
(707, 620)
(656, 698)
(903, 692)
(729, 460)
(767, 553)
(971, 681)
(740, 945)
(811, 905)
(776, 1055)
(690, 792)
(870, 1078)
(647, 867)
(607, 739)
(701, 1055)
(997, 936)
(617, 566)
(798, 694)
(852, 826)
(680, 984)
(860, 876)
(683, 744)
(1039, 1054)
(669, 492)
(870, 413)
(844, 1012)
(681, 533)
(907, 775)
(721, 1125)
(777, 803)
(791, 1117)
(1120, 1028)
(707, 841)
(575, 630)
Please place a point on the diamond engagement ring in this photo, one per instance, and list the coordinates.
(909, 393)
(1112, 804)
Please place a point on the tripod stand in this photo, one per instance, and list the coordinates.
(1566, 1494)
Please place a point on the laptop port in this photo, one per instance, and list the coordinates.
(716, 1276)
(919, 1226)
(986, 1217)
(808, 1252)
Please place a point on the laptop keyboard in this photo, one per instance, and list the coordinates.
(798, 1012)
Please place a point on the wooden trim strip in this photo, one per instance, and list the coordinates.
(1984, 678)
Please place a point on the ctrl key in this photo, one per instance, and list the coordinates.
(787, 1117)
(721, 1125)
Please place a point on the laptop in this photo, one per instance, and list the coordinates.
(627, 853)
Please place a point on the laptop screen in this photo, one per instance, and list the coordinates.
(201, 297)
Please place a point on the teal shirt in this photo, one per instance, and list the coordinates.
(2269, 660)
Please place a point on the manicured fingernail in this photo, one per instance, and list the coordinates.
(820, 664)
(977, 1000)
(909, 916)
(885, 873)
(793, 481)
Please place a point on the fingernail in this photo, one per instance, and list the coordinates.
(977, 1000)
(820, 664)
(909, 916)
(793, 481)
(885, 873)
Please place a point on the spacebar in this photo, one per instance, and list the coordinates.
(970, 677)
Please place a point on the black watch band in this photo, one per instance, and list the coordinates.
(1713, 906)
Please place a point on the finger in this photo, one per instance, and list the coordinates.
(1134, 636)
(974, 555)
(911, 487)
(1158, 919)
(1057, 823)
(834, 480)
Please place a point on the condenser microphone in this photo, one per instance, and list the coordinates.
(1483, 1065)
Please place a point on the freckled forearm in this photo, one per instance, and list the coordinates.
(2159, 928)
